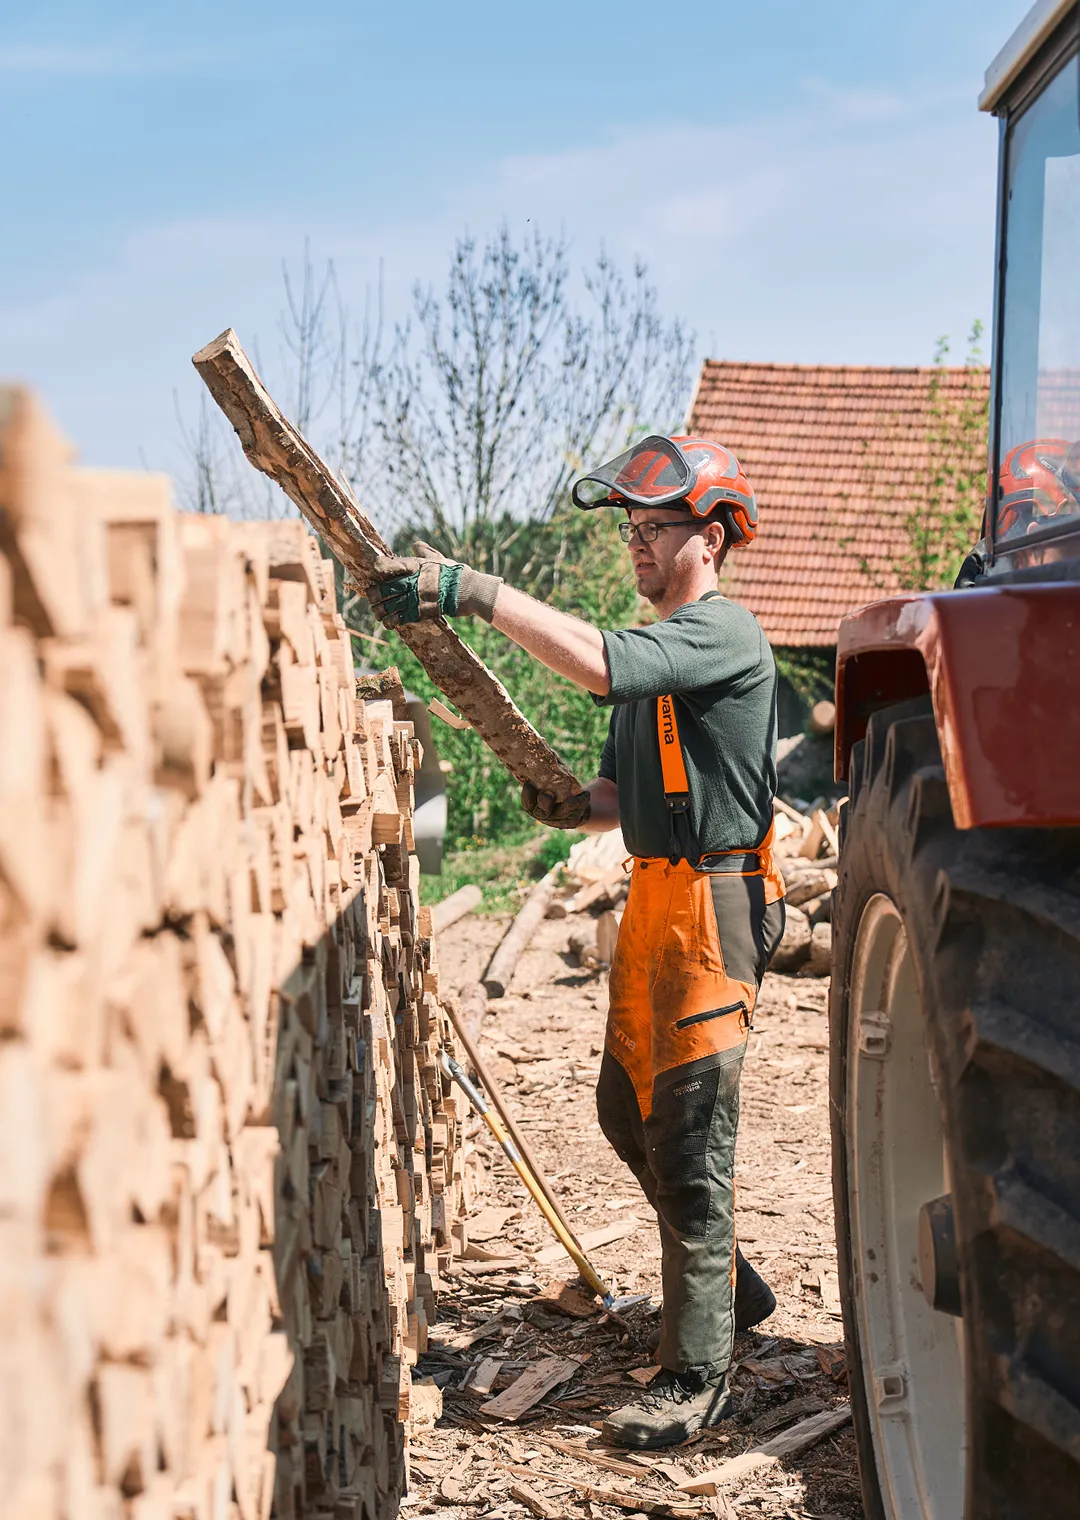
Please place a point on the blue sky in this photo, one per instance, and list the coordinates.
(807, 182)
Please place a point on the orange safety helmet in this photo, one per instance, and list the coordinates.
(693, 474)
(1037, 480)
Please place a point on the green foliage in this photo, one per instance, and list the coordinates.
(947, 522)
(555, 847)
(577, 562)
(503, 872)
(811, 672)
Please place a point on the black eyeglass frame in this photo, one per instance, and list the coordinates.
(627, 530)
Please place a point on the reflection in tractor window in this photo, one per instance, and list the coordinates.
(1039, 463)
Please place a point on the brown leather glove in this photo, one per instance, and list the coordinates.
(406, 590)
(571, 814)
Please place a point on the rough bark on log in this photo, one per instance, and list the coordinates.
(447, 912)
(472, 1001)
(275, 447)
(794, 947)
(500, 971)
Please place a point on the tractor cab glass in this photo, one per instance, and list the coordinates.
(1038, 466)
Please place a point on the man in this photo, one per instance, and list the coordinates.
(688, 773)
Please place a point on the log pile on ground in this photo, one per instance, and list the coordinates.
(229, 1166)
(595, 881)
(806, 850)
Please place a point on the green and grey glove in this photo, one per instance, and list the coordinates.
(429, 586)
(571, 814)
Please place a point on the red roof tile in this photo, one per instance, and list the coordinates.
(838, 456)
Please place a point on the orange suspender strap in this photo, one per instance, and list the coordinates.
(673, 770)
(677, 797)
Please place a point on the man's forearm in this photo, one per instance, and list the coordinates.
(563, 643)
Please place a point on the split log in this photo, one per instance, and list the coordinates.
(276, 448)
(534, 1384)
(535, 1503)
(790, 1443)
(794, 948)
(456, 906)
(604, 893)
(637, 1502)
(820, 960)
(231, 1167)
(501, 967)
(581, 944)
(607, 935)
(822, 718)
(804, 885)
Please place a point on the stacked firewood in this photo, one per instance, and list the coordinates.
(230, 1167)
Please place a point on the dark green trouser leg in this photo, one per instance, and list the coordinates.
(683, 1157)
(690, 1136)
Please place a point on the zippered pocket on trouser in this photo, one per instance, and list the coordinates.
(715, 1013)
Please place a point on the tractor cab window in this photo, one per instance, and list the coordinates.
(1038, 474)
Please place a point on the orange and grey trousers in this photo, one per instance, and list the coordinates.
(692, 951)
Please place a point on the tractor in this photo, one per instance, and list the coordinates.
(955, 1002)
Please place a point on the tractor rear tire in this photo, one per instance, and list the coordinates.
(964, 946)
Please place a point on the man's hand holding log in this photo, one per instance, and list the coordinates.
(411, 589)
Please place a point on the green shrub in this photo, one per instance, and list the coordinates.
(578, 563)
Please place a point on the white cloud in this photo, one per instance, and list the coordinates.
(853, 228)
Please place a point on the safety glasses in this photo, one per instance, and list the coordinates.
(649, 532)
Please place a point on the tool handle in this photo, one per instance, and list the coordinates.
(566, 1240)
(489, 1085)
(513, 1155)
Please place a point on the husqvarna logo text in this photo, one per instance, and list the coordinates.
(667, 721)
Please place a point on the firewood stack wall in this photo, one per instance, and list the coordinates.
(230, 1168)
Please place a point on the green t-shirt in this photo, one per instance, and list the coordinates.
(713, 658)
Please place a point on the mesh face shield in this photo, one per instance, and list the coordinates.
(653, 473)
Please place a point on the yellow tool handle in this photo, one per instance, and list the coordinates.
(569, 1244)
(517, 1161)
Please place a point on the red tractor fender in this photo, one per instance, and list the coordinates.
(1002, 666)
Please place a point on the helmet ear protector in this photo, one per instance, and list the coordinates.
(737, 510)
(688, 474)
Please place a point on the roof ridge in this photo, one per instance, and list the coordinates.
(765, 366)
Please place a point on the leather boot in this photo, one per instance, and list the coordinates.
(674, 1407)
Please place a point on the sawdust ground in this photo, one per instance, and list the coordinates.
(543, 1042)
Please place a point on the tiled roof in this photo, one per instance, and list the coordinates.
(839, 457)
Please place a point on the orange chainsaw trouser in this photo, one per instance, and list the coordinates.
(692, 950)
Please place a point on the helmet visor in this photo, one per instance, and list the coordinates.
(654, 473)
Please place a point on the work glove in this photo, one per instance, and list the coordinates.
(571, 814)
(429, 586)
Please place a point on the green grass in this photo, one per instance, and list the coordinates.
(500, 869)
